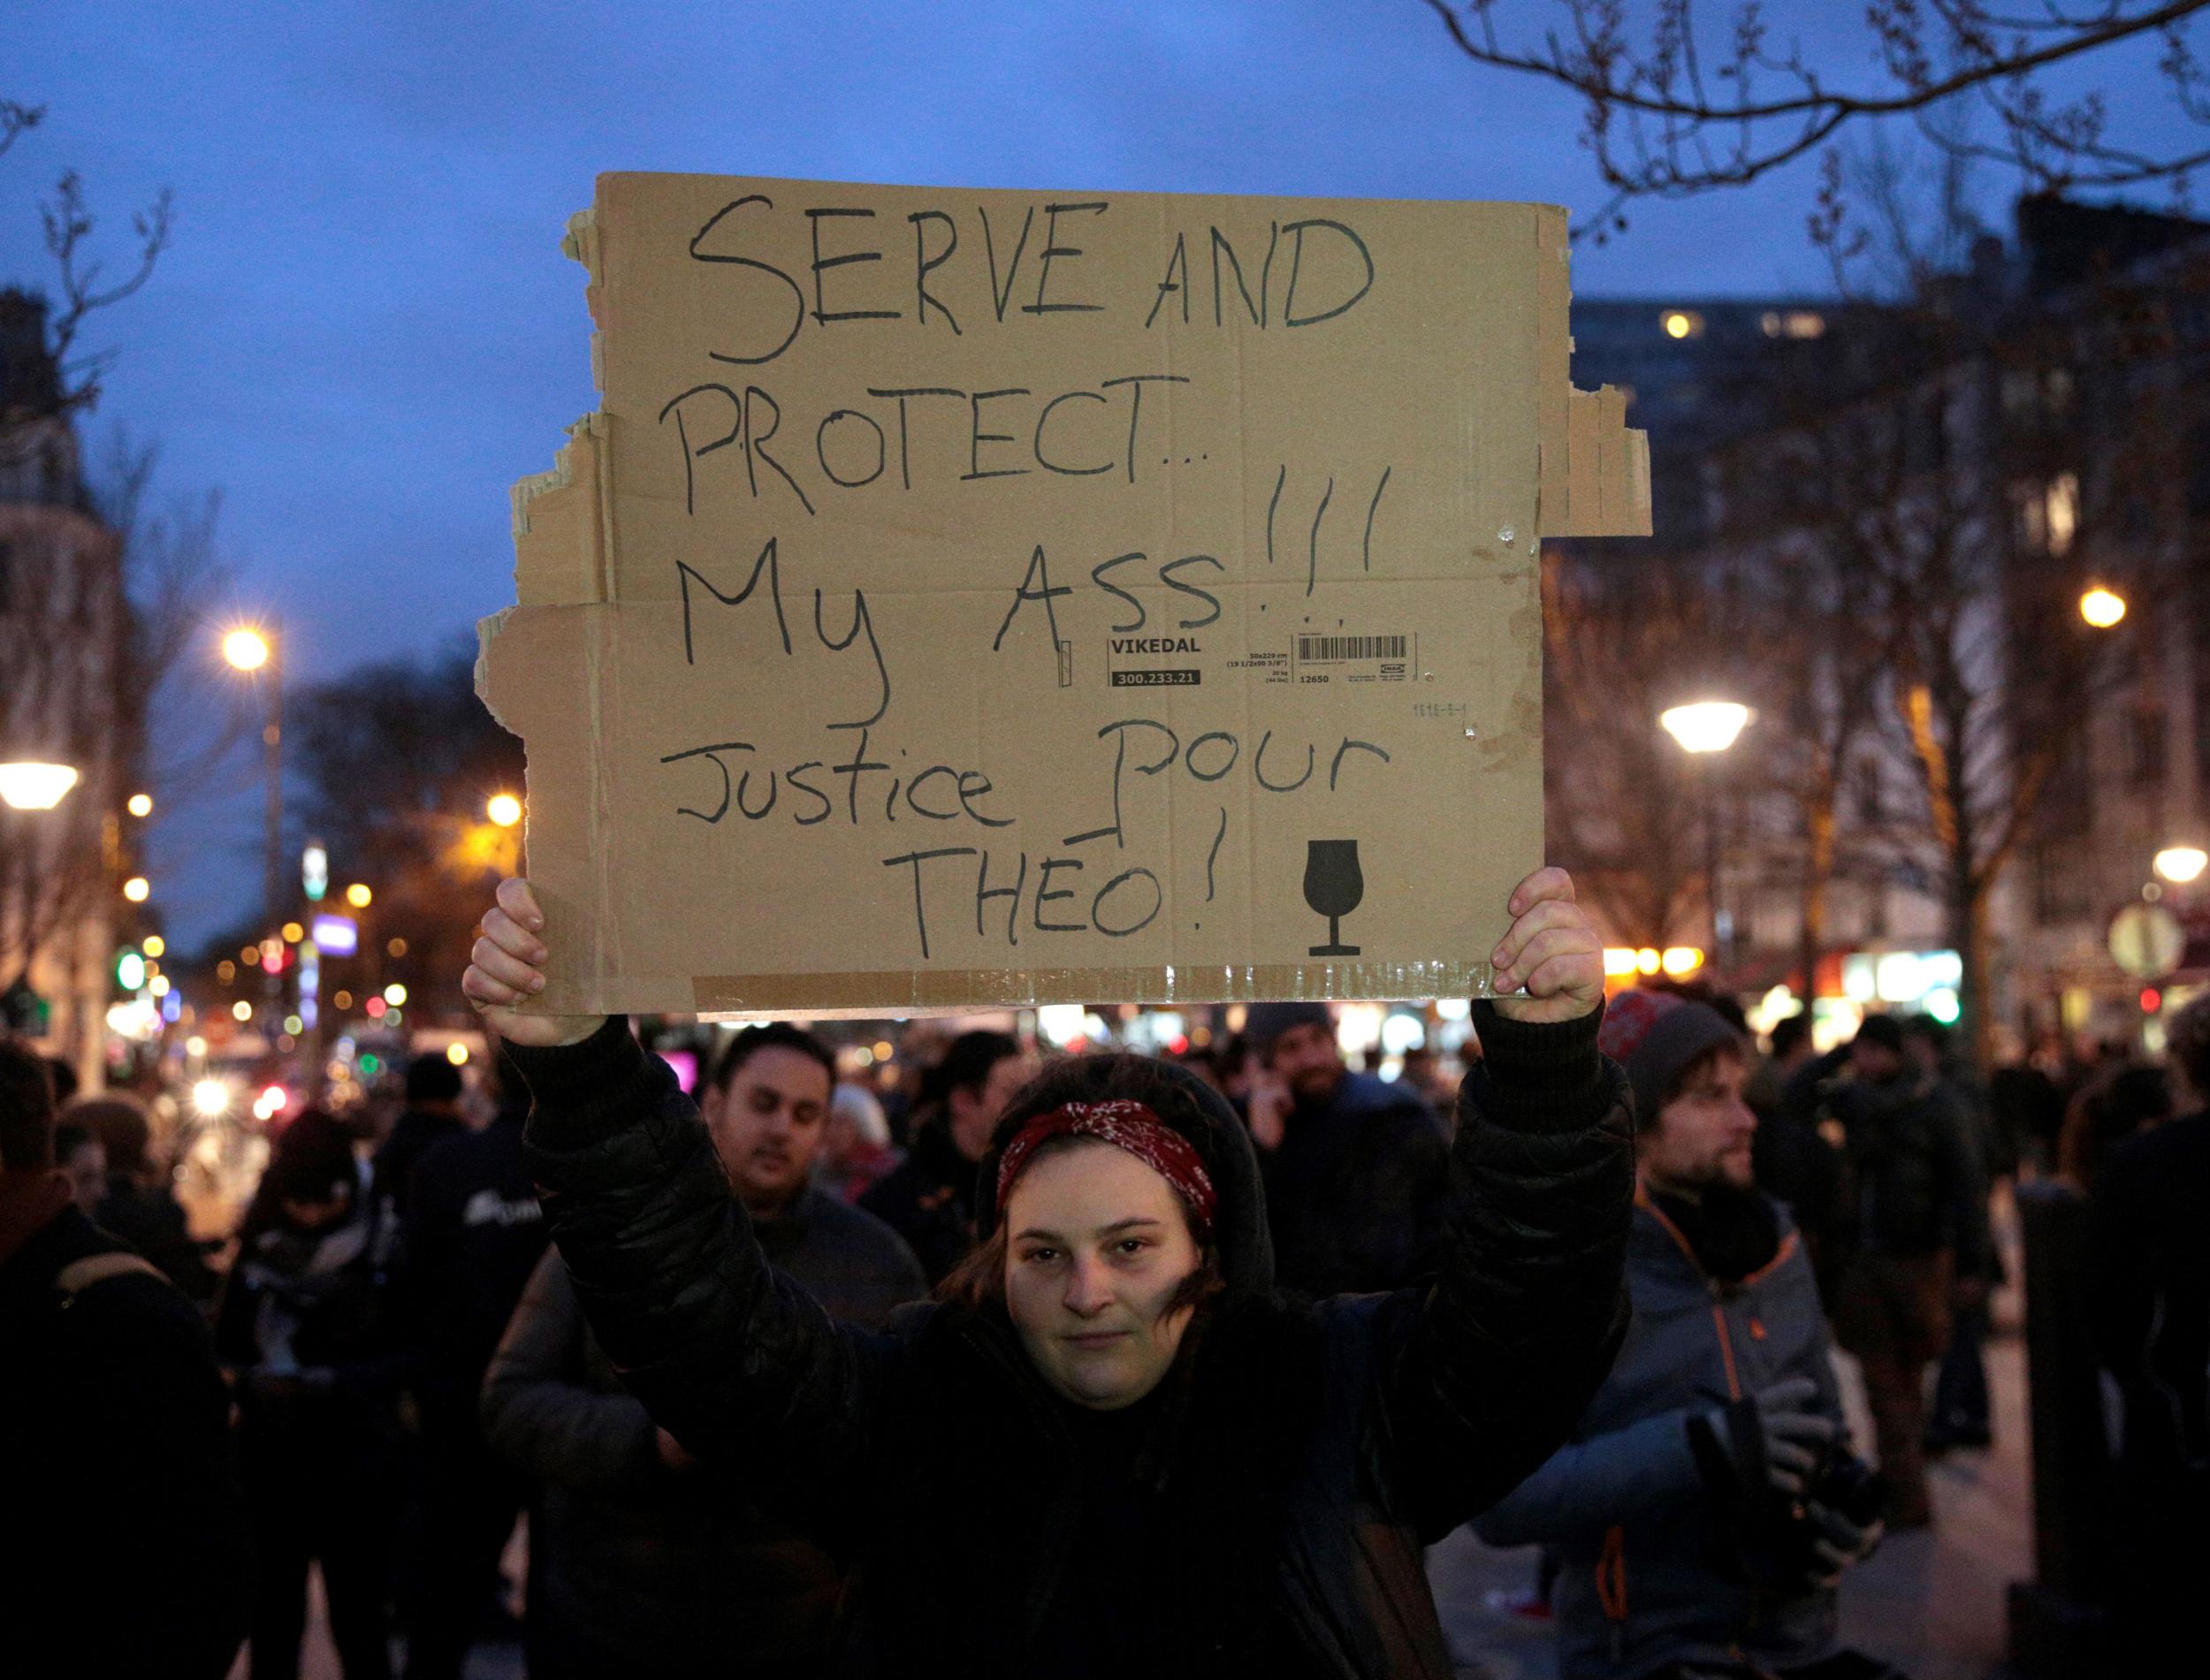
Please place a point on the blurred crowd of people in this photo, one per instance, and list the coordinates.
(385, 1366)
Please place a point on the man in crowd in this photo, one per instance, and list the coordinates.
(2149, 1291)
(1705, 1507)
(928, 1198)
(138, 1204)
(646, 1564)
(1962, 1415)
(431, 1115)
(81, 1160)
(1911, 1236)
(1353, 1166)
(472, 1235)
(129, 1539)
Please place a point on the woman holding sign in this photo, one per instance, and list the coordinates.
(1112, 1447)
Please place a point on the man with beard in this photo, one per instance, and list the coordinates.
(1353, 1166)
(646, 1564)
(1706, 1506)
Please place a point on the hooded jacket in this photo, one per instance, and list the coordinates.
(1651, 1576)
(1296, 1460)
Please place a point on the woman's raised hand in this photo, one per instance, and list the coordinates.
(506, 968)
(1551, 950)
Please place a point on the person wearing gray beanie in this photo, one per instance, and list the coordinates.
(1712, 1474)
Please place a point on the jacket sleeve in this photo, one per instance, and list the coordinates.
(1587, 1486)
(733, 1359)
(1505, 1349)
(541, 1416)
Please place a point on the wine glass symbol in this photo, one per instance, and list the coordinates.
(1333, 886)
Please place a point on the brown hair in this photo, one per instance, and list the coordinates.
(1727, 1050)
(978, 1280)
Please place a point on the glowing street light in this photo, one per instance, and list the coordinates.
(246, 649)
(35, 786)
(2180, 864)
(1705, 729)
(140, 805)
(138, 889)
(210, 1097)
(1708, 726)
(504, 809)
(2102, 608)
(358, 896)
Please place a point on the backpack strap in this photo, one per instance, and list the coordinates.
(97, 1268)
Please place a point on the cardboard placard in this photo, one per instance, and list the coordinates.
(970, 598)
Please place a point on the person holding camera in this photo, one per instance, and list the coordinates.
(1707, 1503)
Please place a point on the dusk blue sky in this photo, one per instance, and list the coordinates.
(365, 330)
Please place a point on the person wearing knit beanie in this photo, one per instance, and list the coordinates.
(1657, 1037)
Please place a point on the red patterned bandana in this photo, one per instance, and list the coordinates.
(1125, 1125)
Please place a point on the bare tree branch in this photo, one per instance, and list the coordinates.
(1684, 105)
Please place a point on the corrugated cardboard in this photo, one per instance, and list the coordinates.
(1206, 551)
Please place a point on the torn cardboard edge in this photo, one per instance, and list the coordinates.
(1591, 479)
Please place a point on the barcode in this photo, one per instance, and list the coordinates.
(1350, 647)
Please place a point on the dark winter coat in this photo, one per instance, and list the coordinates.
(928, 1199)
(1355, 1195)
(128, 1551)
(471, 1235)
(1912, 1178)
(1295, 1462)
(153, 1222)
(639, 1570)
(1651, 1571)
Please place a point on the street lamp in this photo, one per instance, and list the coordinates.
(252, 649)
(31, 786)
(1705, 729)
(2101, 607)
(2180, 864)
(504, 809)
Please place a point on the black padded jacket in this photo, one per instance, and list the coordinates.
(1307, 1452)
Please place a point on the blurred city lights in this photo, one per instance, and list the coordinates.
(882, 1050)
(1618, 961)
(195, 1045)
(32, 787)
(158, 985)
(140, 805)
(210, 1099)
(342, 1000)
(294, 933)
(1649, 961)
(130, 970)
(395, 947)
(246, 649)
(153, 945)
(457, 1054)
(2180, 864)
(395, 995)
(505, 809)
(2101, 607)
(358, 896)
(293, 1023)
(1678, 960)
(225, 970)
(374, 1008)
(138, 889)
(241, 1010)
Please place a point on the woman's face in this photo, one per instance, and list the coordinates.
(1096, 1246)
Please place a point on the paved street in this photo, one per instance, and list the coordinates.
(1930, 1603)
